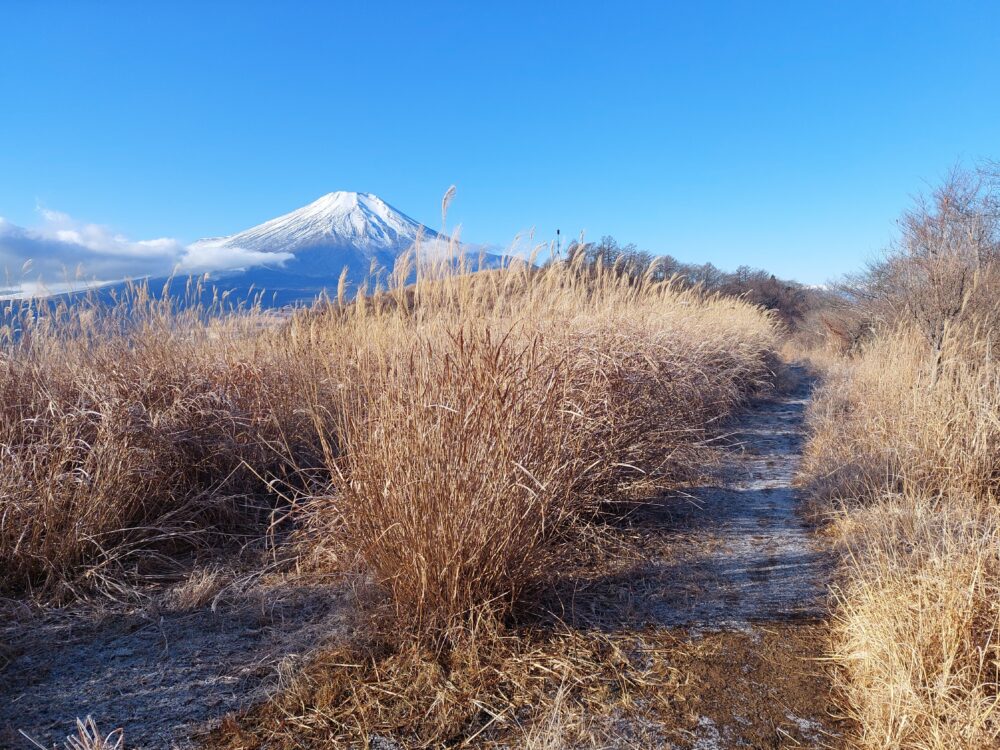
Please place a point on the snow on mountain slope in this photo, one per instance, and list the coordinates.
(337, 230)
(292, 258)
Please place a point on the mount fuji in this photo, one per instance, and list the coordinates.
(314, 244)
(288, 260)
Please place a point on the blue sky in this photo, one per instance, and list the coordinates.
(782, 135)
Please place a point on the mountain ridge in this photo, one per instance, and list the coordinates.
(313, 245)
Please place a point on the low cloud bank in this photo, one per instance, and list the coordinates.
(63, 253)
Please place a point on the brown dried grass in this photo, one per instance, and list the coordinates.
(474, 421)
(487, 689)
(447, 439)
(130, 435)
(906, 444)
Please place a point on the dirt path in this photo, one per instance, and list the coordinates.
(749, 579)
(740, 552)
(736, 579)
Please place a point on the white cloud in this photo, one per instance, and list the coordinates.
(63, 253)
(214, 256)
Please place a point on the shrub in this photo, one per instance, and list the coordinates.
(478, 419)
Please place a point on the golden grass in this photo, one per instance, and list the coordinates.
(488, 689)
(127, 435)
(916, 629)
(466, 422)
(473, 421)
(909, 451)
(890, 418)
(447, 439)
(472, 425)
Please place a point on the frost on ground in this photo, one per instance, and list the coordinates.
(739, 551)
(730, 552)
(161, 676)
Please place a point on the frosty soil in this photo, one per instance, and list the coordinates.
(735, 573)
(159, 675)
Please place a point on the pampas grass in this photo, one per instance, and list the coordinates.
(475, 420)
(906, 444)
(446, 435)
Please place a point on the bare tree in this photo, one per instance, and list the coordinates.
(944, 266)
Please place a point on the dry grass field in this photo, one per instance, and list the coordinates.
(912, 462)
(501, 407)
(492, 465)
(449, 442)
(904, 458)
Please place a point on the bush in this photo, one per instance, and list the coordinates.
(478, 425)
(129, 434)
(907, 448)
(468, 423)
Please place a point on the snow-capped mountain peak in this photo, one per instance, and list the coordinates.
(338, 230)
(301, 254)
(362, 222)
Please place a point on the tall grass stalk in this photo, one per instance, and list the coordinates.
(906, 442)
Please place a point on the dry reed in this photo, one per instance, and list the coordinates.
(128, 434)
(474, 419)
(449, 437)
(906, 441)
